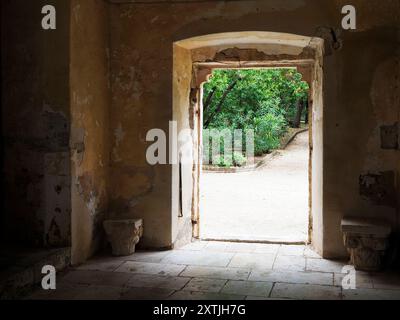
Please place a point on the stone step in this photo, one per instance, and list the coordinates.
(21, 271)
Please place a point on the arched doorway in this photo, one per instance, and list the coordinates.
(194, 59)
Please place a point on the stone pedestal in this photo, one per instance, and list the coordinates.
(366, 241)
(123, 235)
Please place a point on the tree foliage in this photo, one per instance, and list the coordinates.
(265, 100)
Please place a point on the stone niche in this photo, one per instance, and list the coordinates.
(366, 241)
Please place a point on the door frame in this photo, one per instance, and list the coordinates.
(203, 70)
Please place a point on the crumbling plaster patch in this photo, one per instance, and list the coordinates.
(379, 188)
(385, 97)
(119, 135)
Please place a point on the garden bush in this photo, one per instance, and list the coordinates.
(238, 159)
(267, 132)
(265, 100)
(220, 161)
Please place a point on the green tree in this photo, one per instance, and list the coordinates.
(265, 100)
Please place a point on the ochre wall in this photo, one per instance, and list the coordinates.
(90, 100)
(141, 58)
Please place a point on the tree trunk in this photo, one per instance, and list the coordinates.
(209, 99)
(297, 119)
(221, 102)
(307, 110)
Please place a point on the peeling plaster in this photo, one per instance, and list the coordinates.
(119, 136)
(379, 188)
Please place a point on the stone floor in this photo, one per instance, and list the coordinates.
(270, 203)
(219, 270)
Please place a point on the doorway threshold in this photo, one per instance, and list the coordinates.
(266, 241)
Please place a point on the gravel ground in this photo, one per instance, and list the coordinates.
(269, 204)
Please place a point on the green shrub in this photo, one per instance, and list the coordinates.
(268, 130)
(220, 161)
(238, 159)
(265, 100)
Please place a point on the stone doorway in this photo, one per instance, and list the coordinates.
(194, 61)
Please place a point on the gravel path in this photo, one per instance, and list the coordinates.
(270, 203)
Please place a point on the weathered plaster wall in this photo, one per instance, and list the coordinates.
(58, 105)
(141, 100)
(183, 168)
(90, 98)
(368, 87)
(356, 103)
(35, 124)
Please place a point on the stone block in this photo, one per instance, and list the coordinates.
(123, 235)
(366, 241)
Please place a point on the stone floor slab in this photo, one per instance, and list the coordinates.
(195, 246)
(151, 268)
(216, 246)
(101, 278)
(371, 294)
(254, 298)
(88, 277)
(362, 281)
(252, 288)
(240, 247)
(107, 264)
(199, 258)
(148, 256)
(147, 294)
(305, 292)
(291, 250)
(292, 277)
(205, 285)
(153, 281)
(386, 280)
(64, 291)
(310, 253)
(99, 293)
(67, 291)
(323, 265)
(291, 263)
(216, 273)
(255, 260)
(188, 295)
(266, 248)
